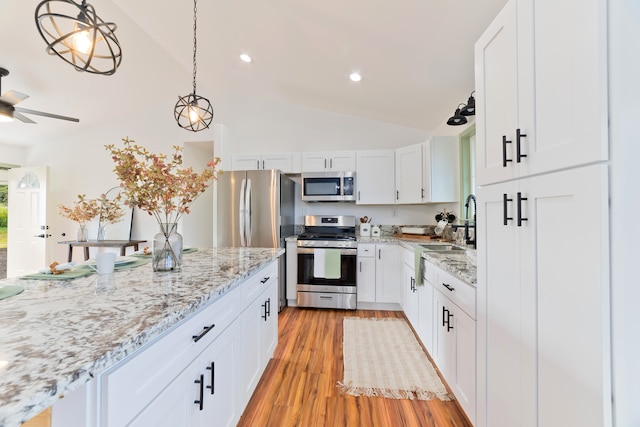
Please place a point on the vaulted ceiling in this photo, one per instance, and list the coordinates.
(415, 56)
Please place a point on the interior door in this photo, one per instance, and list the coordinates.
(27, 228)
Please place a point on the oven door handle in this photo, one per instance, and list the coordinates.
(302, 250)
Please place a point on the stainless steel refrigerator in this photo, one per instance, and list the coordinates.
(256, 209)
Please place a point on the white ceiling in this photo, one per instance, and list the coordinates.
(416, 58)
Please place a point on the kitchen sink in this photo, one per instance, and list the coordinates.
(443, 248)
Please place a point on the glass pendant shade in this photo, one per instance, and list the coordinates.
(457, 118)
(193, 112)
(470, 108)
(75, 33)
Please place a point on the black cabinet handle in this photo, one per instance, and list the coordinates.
(330, 163)
(451, 288)
(379, 253)
(257, 164)
(325, 163)
(444, 317)
(504, 151)
(265, 279)
(397, 195)
(449, 316)
(360, 266)
(519, 154)
(212, 368)
(200, 401)
(269, 307)
(264, 316)
(358, 194)
(520, 217)
(422, 189)
(505, 214)
(206, 330)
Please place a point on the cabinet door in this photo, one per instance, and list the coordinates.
(462, 378)
(270, 324)
(564, 270)
(342, 161)
(387, 273)
(375, 177)
(565, 119)
(443, 342)
(411, 296)
(251, 347)
(409, 174)
(441, 169)
(500, 315)
(281, 161)
(496, 58)
(246, 162)
(315, 162)
(425, 315)
(366, 279)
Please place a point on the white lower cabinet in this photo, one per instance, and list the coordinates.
(201, 395)
(259, 337)
(426, 307)
(378, 273)
(202, 372)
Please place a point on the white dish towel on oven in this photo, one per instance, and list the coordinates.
(319, 262)
(326, 263)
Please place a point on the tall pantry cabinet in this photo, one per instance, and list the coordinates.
(543, 283)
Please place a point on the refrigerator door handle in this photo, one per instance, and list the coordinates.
(249, 214)
(241, 212)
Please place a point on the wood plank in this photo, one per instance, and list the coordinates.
(299, 384)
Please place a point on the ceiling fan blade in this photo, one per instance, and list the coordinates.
(41, 113)
(13, 97)
(22, 117)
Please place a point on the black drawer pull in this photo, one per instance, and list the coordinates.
(505, 214)
(265, 279)
(200, 402)
(451, 288)
(212, 368)
(519, 136)
(449, 326)
(206, 330)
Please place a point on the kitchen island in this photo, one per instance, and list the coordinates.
(58, 335)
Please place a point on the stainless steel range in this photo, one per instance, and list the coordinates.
(327, 255)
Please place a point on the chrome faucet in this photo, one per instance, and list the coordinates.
(466, 222)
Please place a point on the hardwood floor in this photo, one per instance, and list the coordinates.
(299, 386)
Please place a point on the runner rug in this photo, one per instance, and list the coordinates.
(382, 357)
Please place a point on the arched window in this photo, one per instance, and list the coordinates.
(29, 181)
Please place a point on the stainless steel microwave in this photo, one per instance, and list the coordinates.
(329, 187)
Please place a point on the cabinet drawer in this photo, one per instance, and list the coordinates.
(132, 384)
(257, 283)
(366, 250)
(459, 292)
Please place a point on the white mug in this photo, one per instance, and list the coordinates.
(105, 262)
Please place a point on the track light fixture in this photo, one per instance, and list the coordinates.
(75, 33)
(457, 118)
(193, 112)
(470, 108)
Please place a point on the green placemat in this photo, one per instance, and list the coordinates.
(10, 290)
(137, 263)
(66, 275)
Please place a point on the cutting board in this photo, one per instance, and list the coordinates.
(415, 237)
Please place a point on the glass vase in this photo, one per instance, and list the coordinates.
(167, 248)
(82, 234)
(102, 231)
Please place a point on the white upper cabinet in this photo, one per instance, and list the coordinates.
(286, 162)
(441, 169)
(541, 89)
(409, 181)
(375, 177)
(344, 161)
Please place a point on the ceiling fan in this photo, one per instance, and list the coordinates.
(8, 111)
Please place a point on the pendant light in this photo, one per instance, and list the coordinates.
(193, 112)
(457, 118)
(470, 108)
(75, 33)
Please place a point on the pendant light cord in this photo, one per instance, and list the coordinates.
(195, 43)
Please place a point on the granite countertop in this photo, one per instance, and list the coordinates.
(455, 263)
(57, 335)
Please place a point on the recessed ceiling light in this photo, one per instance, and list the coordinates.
(355, 77)
(246, 58)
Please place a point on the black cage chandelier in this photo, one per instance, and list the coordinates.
(193, 112)
(75, 33)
